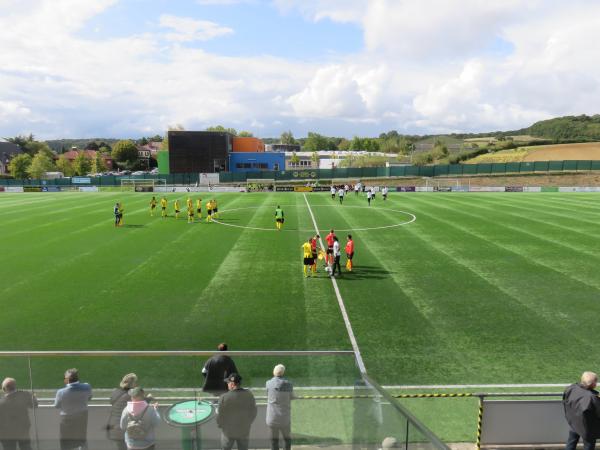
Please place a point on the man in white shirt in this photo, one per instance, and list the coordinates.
(336, 257)
(332, 192)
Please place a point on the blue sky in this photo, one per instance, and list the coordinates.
(127, 68)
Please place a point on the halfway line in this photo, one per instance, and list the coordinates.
(359, 360)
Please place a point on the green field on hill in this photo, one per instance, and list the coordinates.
(480, 288)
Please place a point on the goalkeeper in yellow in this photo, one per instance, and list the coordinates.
(308, 258)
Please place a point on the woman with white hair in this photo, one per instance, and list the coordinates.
(279, 418)
(118, 400)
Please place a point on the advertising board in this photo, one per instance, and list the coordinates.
(487, 189)
(13, 189)
(303, 189)
(405, 188)
(81, 180)
(513, 189)
(88, 188)
(424, 189)
(532, 189)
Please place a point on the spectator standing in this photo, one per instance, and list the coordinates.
(72, 401)
(582, 411)
(118, 400)
(236, 412)
(138, 421)
(14, 416)
(216, 369)
(341, 193)
(279, 408)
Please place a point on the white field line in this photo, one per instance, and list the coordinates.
(357, 355)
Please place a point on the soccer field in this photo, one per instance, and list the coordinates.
(478, 288)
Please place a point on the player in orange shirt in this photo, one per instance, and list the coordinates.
(349, 252)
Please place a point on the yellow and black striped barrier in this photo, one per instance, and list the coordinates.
(350, 397)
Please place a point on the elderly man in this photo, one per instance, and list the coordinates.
(279, 412)
(14, 416)
(72, 400)
(236, 412)
(582, 411)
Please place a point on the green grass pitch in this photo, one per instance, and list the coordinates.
(481, 288)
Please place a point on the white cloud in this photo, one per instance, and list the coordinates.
(188, 30)
(425, 67)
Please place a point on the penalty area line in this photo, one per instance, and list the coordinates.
(355, 349)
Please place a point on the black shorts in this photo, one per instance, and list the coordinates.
(308, 261)
(209, 212)
(216, 210)
(350, 255)
(177, 211)
(152, 206)
(279, 220)
(330, 250)
(164, 207)
(199, 211)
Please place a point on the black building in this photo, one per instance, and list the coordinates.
(199, 151)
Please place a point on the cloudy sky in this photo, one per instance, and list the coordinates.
(127, 68)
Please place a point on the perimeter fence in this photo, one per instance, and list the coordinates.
(335, 406)
(447, 170)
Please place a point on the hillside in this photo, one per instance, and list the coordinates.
(573, 128)
(558, 152)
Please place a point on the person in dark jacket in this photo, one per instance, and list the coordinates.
(236, 412)
(118, 400)
(582, 411)
(14, 416)
(215, 370)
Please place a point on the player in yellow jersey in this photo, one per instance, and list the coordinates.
(209, 211)
(189, 202)
(190, 212)
(215, 209)
(163, 206)
(199, 208)
(307, 254)
(177, 209)
(152, 206)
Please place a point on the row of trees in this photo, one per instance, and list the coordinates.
(25, 165)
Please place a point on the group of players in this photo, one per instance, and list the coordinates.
(312, 253)
(342, 190)
(212, 209)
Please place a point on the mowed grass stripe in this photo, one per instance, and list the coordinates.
(543, 230)
(513, 328)
(506, 284)
(396, 299)
(536, 255)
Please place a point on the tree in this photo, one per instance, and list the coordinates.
(105, 150)
(344, 145)
(19, 164)
(142, 141)
(64, 165)
(315, 159)
(222, 129)
(315, 142)
(81, 164)
(287, 138)
(34, 147)
(92, 145)
(125, 153)
(294, 159)
(40, 164)
(245, 134)
(97, 164)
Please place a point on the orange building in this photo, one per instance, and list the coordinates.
(248, 145)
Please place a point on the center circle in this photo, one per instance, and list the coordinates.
(411, 217)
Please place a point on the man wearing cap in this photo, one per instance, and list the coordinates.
(216, 368)
(279, 408)
(236, 412)
(582, 411)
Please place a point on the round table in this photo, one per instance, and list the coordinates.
(189, 415)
